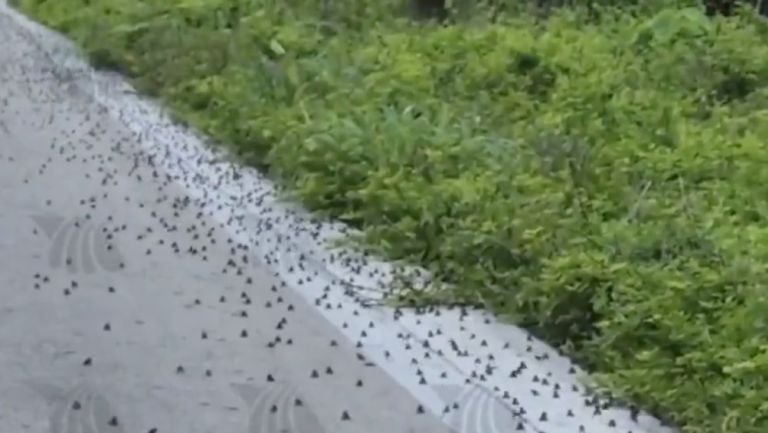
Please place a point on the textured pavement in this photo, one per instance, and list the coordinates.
(148, 285)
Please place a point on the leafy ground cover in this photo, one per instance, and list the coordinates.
(598, 176)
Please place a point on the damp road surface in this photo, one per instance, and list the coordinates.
(149, 286)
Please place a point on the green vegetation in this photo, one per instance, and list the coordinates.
(598, 176)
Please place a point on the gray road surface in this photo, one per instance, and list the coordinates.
(147, 285)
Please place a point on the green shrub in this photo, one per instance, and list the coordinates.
(600, 179)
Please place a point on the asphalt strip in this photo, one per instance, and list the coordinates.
(149, 285)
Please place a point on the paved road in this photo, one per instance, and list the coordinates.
(148, 285)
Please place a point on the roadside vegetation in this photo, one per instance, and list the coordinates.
(596, 174)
